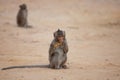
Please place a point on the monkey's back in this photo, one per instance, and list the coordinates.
(22, 17)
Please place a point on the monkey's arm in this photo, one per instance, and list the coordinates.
(65, 48)
(50, 52)
(51, 49)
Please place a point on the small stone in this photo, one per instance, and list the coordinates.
(55, 79)
(117, 74)
(107, 79)
(81, 67)
(106, 60)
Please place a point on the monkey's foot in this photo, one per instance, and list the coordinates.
(49, 66)
(65, 67)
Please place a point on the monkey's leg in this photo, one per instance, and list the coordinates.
(63, 64)
(57, 65)
(51, 65)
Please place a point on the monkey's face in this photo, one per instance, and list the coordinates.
(60, 39)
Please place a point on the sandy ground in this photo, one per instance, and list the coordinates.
(93, 33)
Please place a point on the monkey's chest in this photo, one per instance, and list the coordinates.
(59, 49)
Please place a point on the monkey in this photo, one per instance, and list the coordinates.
(22, 16)
(58, 50)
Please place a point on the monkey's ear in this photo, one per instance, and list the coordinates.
(54, 34)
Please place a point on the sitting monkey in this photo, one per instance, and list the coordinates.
(22, 16)
(58, 50)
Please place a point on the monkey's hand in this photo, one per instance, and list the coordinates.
(57, 44)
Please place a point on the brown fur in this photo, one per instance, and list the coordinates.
(22, 16)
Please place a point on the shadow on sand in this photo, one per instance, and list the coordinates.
(26, 66)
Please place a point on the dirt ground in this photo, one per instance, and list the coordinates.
(92, 30)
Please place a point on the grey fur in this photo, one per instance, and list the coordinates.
(58, 56)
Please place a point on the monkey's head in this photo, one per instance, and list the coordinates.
(59, 35)
(23, 6)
